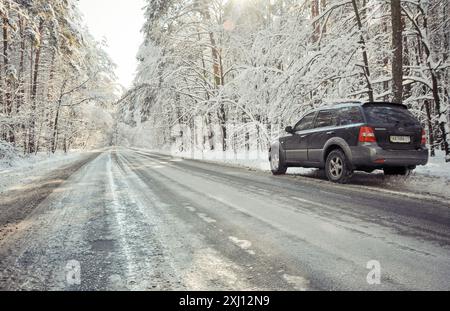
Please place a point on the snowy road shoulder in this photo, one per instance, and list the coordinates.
(31, 169)
(28, 186)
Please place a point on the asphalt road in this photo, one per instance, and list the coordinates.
(131, 220)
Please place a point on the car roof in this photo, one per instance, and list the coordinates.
(354, 104)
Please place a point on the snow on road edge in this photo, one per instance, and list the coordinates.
(27, 170)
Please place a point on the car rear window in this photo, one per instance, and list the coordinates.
(389, 115)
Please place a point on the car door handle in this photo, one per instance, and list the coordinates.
(303, 136)
(331, 133)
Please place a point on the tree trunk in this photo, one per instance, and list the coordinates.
(362, 41)
(32, 134)
(218, 80)
(7, 84)
(20, 99)
(430, 129)
(54, 142)
(407, 90)
(222, 120)
(323, 6)
(435, 91)
(216, 60)
(314, 14)
(442, 124)
(397, 46)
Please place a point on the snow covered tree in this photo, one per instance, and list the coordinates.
(51, 72)
(230, 74)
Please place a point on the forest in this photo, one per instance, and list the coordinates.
(221, 76)
(229, 75)
(57, 83)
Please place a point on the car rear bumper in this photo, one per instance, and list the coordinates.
(372, 156)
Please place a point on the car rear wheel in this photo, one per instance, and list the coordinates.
(277, 163)
(399, 171)
(337, 167)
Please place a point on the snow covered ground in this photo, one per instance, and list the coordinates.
(252, 159)
(437, 167)
(25, 170)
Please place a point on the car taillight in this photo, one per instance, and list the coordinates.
(367, 135)
(424, 138)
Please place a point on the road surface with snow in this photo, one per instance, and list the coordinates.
(126, 219)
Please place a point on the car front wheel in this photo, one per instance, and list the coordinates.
(337, 167)
(277, 163)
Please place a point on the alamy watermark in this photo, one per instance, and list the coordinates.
(374, 275)
(73, 272)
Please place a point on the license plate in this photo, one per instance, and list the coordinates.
(401, 139)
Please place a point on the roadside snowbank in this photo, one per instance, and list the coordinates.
(252, 159)
(437, 167)
(7, 154)
(25, 170)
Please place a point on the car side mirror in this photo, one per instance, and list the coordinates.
(290, 130)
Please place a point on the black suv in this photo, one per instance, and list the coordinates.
(346, 137)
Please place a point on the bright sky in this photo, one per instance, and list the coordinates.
(120, 22)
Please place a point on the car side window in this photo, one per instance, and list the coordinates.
(306, 123)
(350, 115)
(327, 118)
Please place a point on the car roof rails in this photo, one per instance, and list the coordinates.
(385, 103)
(343, 103)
